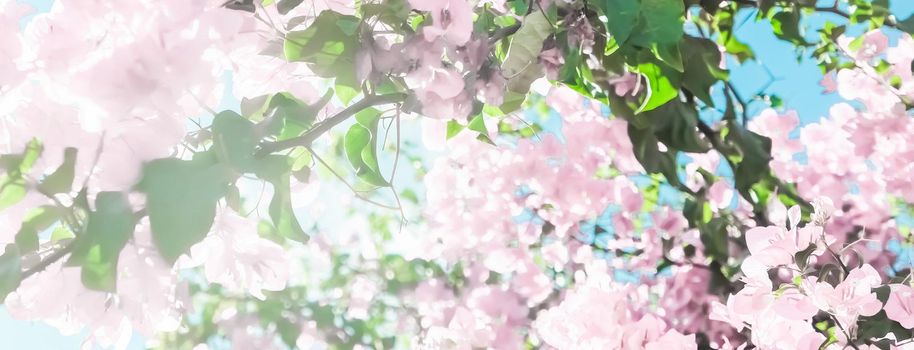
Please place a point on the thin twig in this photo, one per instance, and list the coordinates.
(393, 173)
(739, 99)
(338, 176)
(846, 334)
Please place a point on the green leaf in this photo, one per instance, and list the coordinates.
(277, 170)
(233, 198)
(234, 140)
(701, 60)
(714, 237)
(504, 21)
(484, 21)
(453, 128)
(660, 23)
(521, 65)
(12, 190)
(669, 54)
(647, 151)
(61, 180)
(737, 48)
(802, 257)
(621, 16)
(752, 160)
(663, 86)
(12, 184)
(512, 101)
(35, 221)
(907, 24)
(10, 271)
(879, 326)
(786, 26)
(478, 124)
(676, 125)
(181, 198)
(289, 117)
(360, 144)
(328, 45)
(61, 232)
(241, 5)
(108, 229)
(284, 6)
(391, 12)
(347, 87)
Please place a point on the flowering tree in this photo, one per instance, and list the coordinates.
(501, 174)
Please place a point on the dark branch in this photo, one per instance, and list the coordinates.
(502, 33)
(50, 259)
(307, 138)
(61, 253)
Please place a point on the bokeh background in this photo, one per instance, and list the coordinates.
(777, 71)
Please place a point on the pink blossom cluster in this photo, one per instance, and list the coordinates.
(784, 290)
(119, 78)
(446, 65)
(596, 314)
(859, 156)
(488, 209)
(121, 82)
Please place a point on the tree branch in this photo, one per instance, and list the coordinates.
(307, 138)
(502, 33)
(61, 253)
(50, 259)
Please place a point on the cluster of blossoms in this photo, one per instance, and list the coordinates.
(871, 168)
(496, 185)
(120, 83)
(857, 186)
(788, 286)
(124, 83)
(516, 217)
(445, 65)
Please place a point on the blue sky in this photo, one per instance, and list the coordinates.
(796, 83)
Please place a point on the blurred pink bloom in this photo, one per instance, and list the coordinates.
(451, 19)
(900, 306)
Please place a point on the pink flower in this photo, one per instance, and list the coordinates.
(720, 195)
(794, 305)
(900, 306)
(10, 46)
(773, 246)
(451, 19)
(850, 299)
(828, 83)
(552, 60)
(776, 246)
(673, 340)
(234, 255)
(555, 253)
(874, 43)
(441, 92)
(627, 84)
(778, 128)
(492, 90)
(770, 331)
